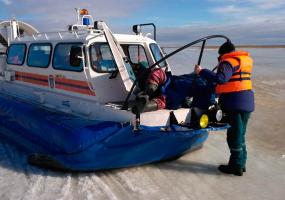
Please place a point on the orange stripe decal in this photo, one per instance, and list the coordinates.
(73, 86)
(36, 79)
(70, 85)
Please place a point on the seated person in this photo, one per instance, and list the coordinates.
(163, 90)
(183, 87)
(151, 98)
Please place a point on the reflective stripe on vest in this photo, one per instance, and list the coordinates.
(241, 78)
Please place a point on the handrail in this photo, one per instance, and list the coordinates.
(61, 34)
(204, 39)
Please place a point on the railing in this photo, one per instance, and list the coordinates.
(64, 34)
(203, 40)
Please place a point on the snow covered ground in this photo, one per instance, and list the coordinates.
(193, 176)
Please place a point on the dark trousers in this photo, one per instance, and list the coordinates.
(236, 138)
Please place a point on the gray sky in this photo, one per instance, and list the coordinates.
(178, 22)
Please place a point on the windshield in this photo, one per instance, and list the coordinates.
(157, 54)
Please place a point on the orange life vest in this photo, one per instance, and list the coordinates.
(241, 78)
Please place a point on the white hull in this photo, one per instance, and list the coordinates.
(88, 109)
(87, 93)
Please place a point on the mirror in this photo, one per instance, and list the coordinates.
(75, 56)
(137, 29)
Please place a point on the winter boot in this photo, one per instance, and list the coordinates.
(227, 169)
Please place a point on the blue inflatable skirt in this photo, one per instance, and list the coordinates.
(63, 141)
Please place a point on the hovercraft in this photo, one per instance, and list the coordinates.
(66, 98)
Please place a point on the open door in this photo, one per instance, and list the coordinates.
(124, 68)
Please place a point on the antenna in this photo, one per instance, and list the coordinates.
(77, 10)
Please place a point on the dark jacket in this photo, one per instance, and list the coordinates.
(233, 101)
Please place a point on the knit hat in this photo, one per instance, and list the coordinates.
(227, 47)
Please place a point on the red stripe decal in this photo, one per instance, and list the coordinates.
(70, 85)
(36, 79)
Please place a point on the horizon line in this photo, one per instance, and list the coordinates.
(237, 46)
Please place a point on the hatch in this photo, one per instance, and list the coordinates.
(124, 68)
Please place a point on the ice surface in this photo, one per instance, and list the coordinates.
(194, 176)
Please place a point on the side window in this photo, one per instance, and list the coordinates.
(39, 55)
(137, 55)
(16, 54)
(102, 59)
(157, 54)
(61, 57)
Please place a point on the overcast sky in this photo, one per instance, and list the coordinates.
(178, 21)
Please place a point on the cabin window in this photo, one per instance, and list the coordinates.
(61, 58)
(102, 59)
(16, 54)
(39, 55)
(137, 55)
(157, 54)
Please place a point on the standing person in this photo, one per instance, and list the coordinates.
(236, 97)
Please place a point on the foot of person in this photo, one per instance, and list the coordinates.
(231, 170)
